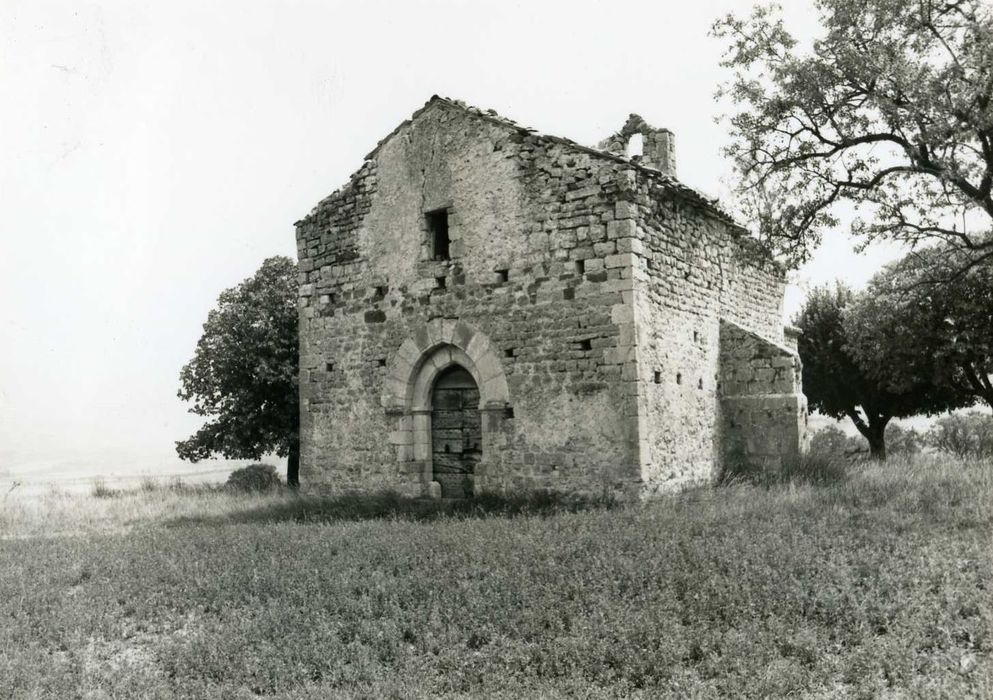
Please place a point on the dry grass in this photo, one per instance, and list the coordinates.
(873, 585)
(104, 510)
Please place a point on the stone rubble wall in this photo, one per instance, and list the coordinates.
(695, 268)
(596, 287)
(524, 211)
(763, 412)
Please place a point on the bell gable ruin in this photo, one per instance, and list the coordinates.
(484, 308)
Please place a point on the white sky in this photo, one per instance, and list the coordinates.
(153, 154)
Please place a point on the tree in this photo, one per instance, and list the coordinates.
(836, 384)
(244, 372)
(941, 333)
(889, 113)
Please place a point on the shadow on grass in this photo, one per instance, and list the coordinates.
(311, 508)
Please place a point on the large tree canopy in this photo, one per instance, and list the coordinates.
(243, 374)
(907, 331)
(889, 113)
(838, 386)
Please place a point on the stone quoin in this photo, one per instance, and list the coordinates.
(485, 308)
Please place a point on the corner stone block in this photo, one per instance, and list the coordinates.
(621, 229)
(630, 245)
(621, 313)
(625, 210)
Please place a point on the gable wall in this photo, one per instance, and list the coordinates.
(518, 203)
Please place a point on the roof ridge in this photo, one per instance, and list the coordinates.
(492, 116)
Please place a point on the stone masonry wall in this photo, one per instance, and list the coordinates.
(540, 267)
(694, 268)
(763, 414)
(590, 298)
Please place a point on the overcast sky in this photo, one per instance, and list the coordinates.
(154, 153)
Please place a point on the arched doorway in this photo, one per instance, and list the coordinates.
(456, 432)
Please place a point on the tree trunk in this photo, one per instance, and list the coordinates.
(873, 431)
(293, 465)
(877, 441)
(979, 383)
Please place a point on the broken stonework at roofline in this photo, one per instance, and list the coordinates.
(484, 308)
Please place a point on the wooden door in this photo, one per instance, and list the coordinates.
(456, 432)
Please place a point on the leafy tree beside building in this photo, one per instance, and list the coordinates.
(243, 375)
(836, 382)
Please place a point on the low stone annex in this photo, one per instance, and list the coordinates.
(485, 308)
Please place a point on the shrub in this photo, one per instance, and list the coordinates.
(255, 477)
(963, 435)
(101, 490)
(902, 441)
(829, 440)
(833, 442)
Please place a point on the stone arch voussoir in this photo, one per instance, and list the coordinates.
(437, 345)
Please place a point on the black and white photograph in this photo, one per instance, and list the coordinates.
(492, 349)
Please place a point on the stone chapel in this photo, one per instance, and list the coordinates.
(486, 308)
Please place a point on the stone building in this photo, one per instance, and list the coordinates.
(483, 307)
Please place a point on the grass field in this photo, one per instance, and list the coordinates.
(878, 586)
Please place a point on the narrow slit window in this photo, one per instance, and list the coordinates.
(503, 275)
(508, 352)
(580, 267)
(438, 232)
(585, 345)
(658, 377)
(440, 283)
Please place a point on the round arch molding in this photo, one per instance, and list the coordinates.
(436, 346)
